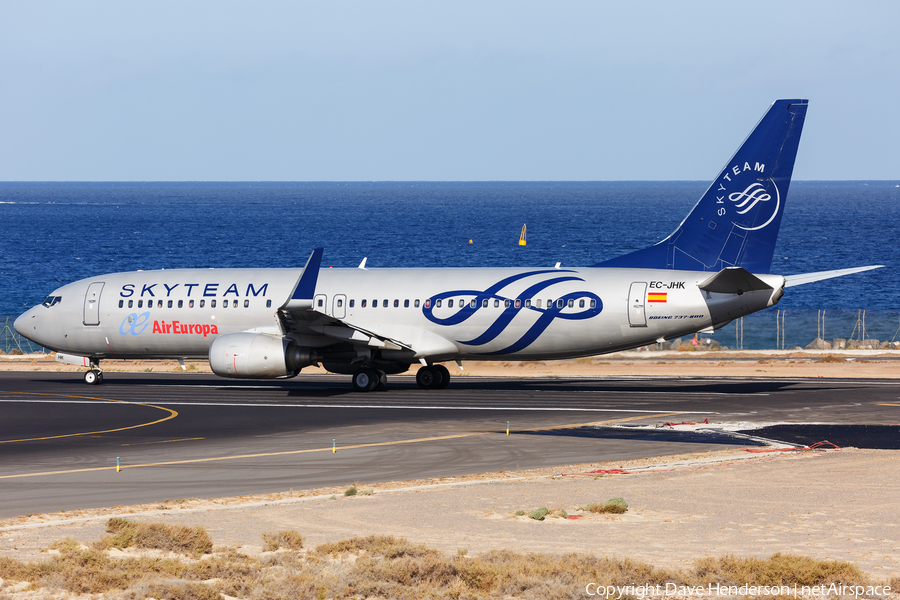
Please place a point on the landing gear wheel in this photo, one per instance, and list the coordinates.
(365, 380)
(445, 376)
(381, 386)
(430, 378)
(99, 377)
(93, 377)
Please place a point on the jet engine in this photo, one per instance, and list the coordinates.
(257, 356)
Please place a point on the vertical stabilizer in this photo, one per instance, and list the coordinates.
(735, 223)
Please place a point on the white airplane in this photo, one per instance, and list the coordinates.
(368, 323)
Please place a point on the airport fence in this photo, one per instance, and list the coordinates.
(766, 330)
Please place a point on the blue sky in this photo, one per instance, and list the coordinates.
(297, 91)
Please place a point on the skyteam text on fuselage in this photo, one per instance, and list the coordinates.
(369, 323)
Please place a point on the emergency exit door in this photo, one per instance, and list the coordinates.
(637, 295)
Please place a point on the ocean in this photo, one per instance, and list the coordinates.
(54, 233)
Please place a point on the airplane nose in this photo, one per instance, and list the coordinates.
(19, 324)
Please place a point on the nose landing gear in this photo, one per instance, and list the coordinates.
(94, 376)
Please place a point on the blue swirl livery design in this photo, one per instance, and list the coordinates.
(546, 315)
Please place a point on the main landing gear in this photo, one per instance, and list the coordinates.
(368, 379)
(433, 377)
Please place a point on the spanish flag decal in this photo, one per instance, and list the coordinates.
(656, 297)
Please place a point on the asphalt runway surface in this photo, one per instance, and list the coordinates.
(198, 436)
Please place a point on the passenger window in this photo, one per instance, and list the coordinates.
(427, 302)
(181, 304)
(121, 303)
(507, 303)
(170, 304)
(321, 302)
(450, 303)
(496, 303)
(571, 303)
(437, 303)
(235, 303)
(581, 303)
(518, 303)
(473, 303)
(140, 303)
(130, 303)
(352, 302)
(212, 303)
(363, 305)
(396, 304)
(593, 304)
(246, 304)
(528, 304)
(190, 304)
(225, 303)
(484, 303)
(268, 304)
(202, 303)
(158, 304)
(384, 303)
(537, 303)
(340, 303)
(417, 303)
(560, 303)
(406, 303)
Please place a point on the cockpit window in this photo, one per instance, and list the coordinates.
(51, 301)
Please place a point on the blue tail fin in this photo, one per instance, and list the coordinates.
(735, 223)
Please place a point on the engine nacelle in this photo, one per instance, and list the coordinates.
(257, 356)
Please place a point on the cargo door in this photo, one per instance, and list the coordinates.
(92, 304)
(637, 316)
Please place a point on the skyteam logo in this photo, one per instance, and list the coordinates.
(482, 300)
(747, 200)
(759, 199)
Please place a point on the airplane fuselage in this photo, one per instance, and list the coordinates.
(437, 314)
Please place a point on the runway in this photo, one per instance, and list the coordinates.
(187, 435)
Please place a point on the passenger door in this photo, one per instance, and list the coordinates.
(637, 316)
(92, 304)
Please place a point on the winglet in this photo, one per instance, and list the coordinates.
(305, 288)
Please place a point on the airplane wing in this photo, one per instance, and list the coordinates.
(792, 280)
(298, 314)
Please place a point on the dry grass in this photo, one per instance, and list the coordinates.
(287, 540)
(389, 567)
(832, 358)
(155, 536)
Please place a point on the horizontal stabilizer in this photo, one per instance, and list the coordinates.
(792, 280)
(734, 280)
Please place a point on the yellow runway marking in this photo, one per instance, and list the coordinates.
(889, 405)
(329, 448)
(172, 415)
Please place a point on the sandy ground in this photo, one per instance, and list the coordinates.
(827, 505)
